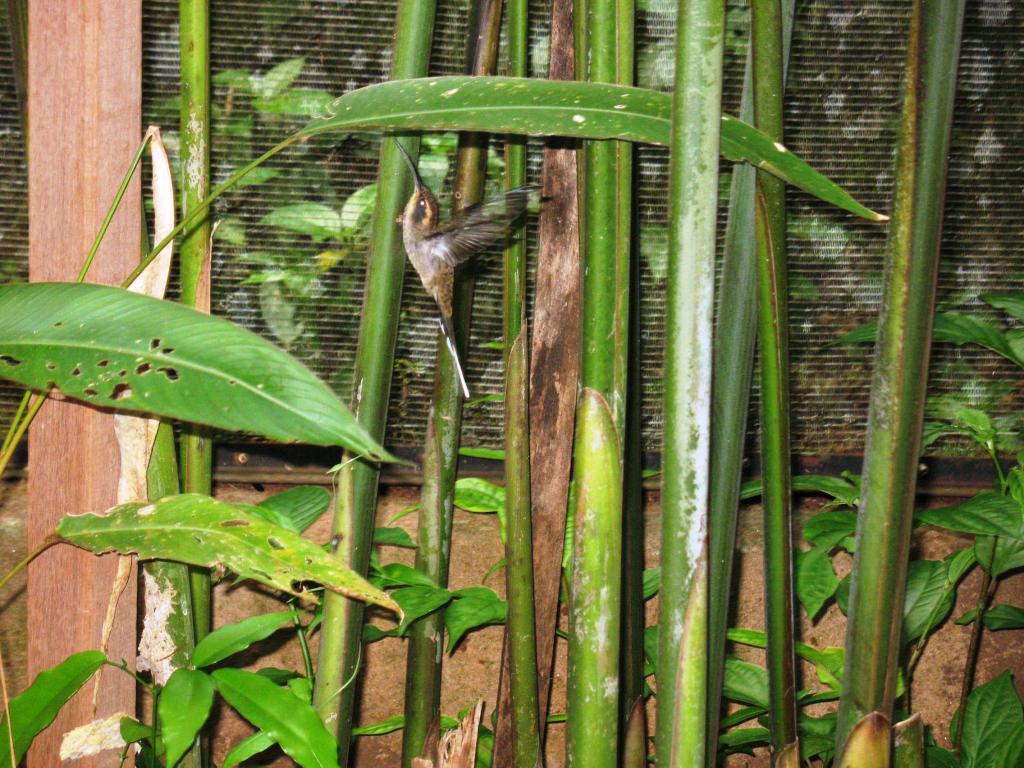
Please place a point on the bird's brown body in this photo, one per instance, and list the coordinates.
(435, 248)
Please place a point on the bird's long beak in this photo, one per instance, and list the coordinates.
(412, 165)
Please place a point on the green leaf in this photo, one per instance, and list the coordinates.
(114, 348)
(316, 220)
(232, 638)
(826, 529)
(301, 506)
(291, 723)
(277, 78)
(926, 593)
(198, 530)
(394, 537)
(393, 723)
(841, 489)
(358, 207)
(37, 706)
(400, 575)
(1011, 303)
(303, 102)
(651, 582)
(132, 730)
(997, 617)
(987, 513)
(951, 327)
(259, 742)
(745, 682)
(744, 739)
(558, 108)
(937, 757)
(495, 454)
(472, 607)
(816, 581)
(183, 707)
(474, 494)
(993, 725)
(1008, 554)
(417, 602)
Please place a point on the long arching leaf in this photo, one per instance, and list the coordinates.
(558, 108)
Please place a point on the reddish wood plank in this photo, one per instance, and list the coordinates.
(84, 105)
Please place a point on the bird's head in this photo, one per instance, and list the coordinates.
(420, 212)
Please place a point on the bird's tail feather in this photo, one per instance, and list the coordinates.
(449, 337)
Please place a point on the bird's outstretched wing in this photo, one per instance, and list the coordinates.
(474, 228)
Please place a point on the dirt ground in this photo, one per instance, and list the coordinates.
(470, 673)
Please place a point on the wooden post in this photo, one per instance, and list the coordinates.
(84, 107)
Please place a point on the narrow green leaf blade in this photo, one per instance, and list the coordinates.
(291, 723)
(118, 349)
(233, 638)
(259, 742)
(926, 598)
(198, 530)
(301, 506)
(558, 108)
(183, 707)
(37, 706)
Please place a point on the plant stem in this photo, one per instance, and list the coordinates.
(681, 727)
(197, 450)
(352, 527)
(901, 367)
(631, 688)
(773, 322)
(986, 591)
(519, 579)
(592, 734)
(444, 423)
(169, 581)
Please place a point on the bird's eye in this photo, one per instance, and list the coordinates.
(423, 203)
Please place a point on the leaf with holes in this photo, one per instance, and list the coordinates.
(195, 529)
(558, 108)
(117, 349)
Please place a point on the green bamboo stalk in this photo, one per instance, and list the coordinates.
(444, 425)
(352, 527)
(773, 324)
(633, 539)
(592, 734)
(680, 737)
(519, 578)
(901, 366)
(735, 331)
(196, 450)
(168, 579)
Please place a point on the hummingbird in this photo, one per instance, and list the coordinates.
(435, 247)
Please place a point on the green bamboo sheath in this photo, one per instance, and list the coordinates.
(681, 673)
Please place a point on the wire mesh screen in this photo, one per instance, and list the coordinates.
(291, 247)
